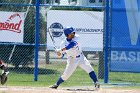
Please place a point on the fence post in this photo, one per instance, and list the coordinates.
(101, 66)
(106, 42)
(36, 40)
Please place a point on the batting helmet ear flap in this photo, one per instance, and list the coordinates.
(66, 35)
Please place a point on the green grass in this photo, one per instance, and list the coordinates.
(49, 75)
(124, 77)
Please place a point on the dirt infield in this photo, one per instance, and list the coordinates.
(9, 89)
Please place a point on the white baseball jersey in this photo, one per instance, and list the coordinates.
(75, 51)
(75, 57)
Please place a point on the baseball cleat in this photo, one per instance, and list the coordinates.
(54, 86)
(97, 85)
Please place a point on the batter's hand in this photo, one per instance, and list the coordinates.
(58, 53)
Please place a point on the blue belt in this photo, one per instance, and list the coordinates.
(78, 56)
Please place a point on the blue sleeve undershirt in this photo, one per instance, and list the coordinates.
(71, 45)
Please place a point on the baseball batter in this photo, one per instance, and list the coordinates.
(5, 72)
(75, 57)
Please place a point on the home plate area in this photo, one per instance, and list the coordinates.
(21, 89)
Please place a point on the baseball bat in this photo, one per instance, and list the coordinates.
(53, 41)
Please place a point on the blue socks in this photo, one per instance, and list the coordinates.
(93, 76)
(60, 80)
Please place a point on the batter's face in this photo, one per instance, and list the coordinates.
(71, 35)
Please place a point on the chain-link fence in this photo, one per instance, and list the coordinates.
(25, 65)
(17, 56)
(124, 43)
(54, 66)
(20, 57)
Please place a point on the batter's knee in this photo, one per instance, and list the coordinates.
(65, 77)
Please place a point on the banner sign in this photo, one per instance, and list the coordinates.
(11, 27)
(125, 35)
(88, 24)
(128, 61)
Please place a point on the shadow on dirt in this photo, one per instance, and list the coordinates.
(80, 90)
(30, 70)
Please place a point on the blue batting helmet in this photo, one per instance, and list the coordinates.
(68, 30)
